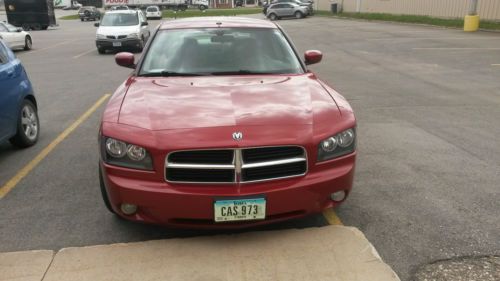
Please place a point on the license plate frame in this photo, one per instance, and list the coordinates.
(239, 209)
(117, 44)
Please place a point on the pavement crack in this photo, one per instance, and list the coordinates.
(50, 264)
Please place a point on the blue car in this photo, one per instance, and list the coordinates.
(18, 108)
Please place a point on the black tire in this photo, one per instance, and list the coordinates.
(273, 16)
(28, 118)
(45, 27)
(202, 7)
(27, 43)
(101, 51)
(36, 26)
(26, 26)
(143, 42)
(82, 19)
(298, 15)
(183, 8)
(104, 193)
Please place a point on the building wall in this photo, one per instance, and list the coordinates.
(487, 9)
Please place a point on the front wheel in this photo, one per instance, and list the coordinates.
(101, 51)
(273, 17)
(202, 7)
(28, 126)
(298, 15)
(27, 43)
(26, 26)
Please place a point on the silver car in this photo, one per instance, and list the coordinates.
(281, 10)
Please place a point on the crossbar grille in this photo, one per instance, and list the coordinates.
(235, 165)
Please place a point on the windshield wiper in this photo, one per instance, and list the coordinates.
(242, 72)
(166, 73)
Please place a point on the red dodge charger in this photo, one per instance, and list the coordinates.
(221, 124)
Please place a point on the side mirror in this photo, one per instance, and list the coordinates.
(144, 23)
(19, 29)
(96, 24)
(312, 57)
(125, 59)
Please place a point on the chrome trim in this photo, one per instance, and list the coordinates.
(273, 163)
(200, 166)
(237, 165)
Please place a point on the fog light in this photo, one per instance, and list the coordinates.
(128, 209)
(338, 196)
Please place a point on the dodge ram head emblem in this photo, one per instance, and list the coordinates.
(237, 136)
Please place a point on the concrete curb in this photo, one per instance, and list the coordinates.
(326, 253)
(25, 266)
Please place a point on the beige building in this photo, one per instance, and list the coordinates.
(487, 9)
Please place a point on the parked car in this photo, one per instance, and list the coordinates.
(153, 12)
(282, 10)
(15, 37)
(200, 136)
(307, 3)
(30, 14)
(122, 29)
(89, 13)
(18, 107)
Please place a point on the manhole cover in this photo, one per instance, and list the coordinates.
(461, 269)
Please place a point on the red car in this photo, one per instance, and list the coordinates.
(221, 124)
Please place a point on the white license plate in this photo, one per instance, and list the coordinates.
(117, 44)
(240, 209)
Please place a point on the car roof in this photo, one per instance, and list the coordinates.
(121, 12)
(203, 22)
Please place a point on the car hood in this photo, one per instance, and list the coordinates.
(117, 30)
(195, 102)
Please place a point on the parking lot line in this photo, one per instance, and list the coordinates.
(458, 49)
(33, 163)
(331, 217)
(84, 53)
(495, 64)
(52, 46)
(432, 38)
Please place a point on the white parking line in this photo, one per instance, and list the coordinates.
(434, 38)
(53, 46)
(84, 53)
(495, 64)
(458, 49)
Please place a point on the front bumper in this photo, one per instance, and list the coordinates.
(192, 205)
(124, 43)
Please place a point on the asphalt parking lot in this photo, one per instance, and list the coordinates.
(427, 101)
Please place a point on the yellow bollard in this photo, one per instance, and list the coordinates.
(471, 23)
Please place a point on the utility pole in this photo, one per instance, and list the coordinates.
(358, 6)
(471, 21)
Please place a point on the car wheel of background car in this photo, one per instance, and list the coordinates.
(298, 15)
(101, 50)
(27, 43)
(202, 7)
(26, 26)
(82, 19)
(36, 26)
(28, 126)
(45, 27)
(183, 8)
(273, 17)
(104, 193)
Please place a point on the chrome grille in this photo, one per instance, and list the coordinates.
(235, 165)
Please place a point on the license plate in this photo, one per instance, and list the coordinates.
(240, 210)
(117, 44)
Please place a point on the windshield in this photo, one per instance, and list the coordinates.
(152, 9)
(116, 19)
(220, 51)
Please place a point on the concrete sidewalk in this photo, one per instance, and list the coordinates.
(327, 253)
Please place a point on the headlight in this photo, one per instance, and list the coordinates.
(100, 36)
(120, 153)
(133, 35)
(338, 145)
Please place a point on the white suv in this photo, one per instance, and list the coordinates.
(122, 29)
(153, 12)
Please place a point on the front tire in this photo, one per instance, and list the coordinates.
(28, 126)
(27, 43)
(101, 51)
(273, 17)
(298, 15)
